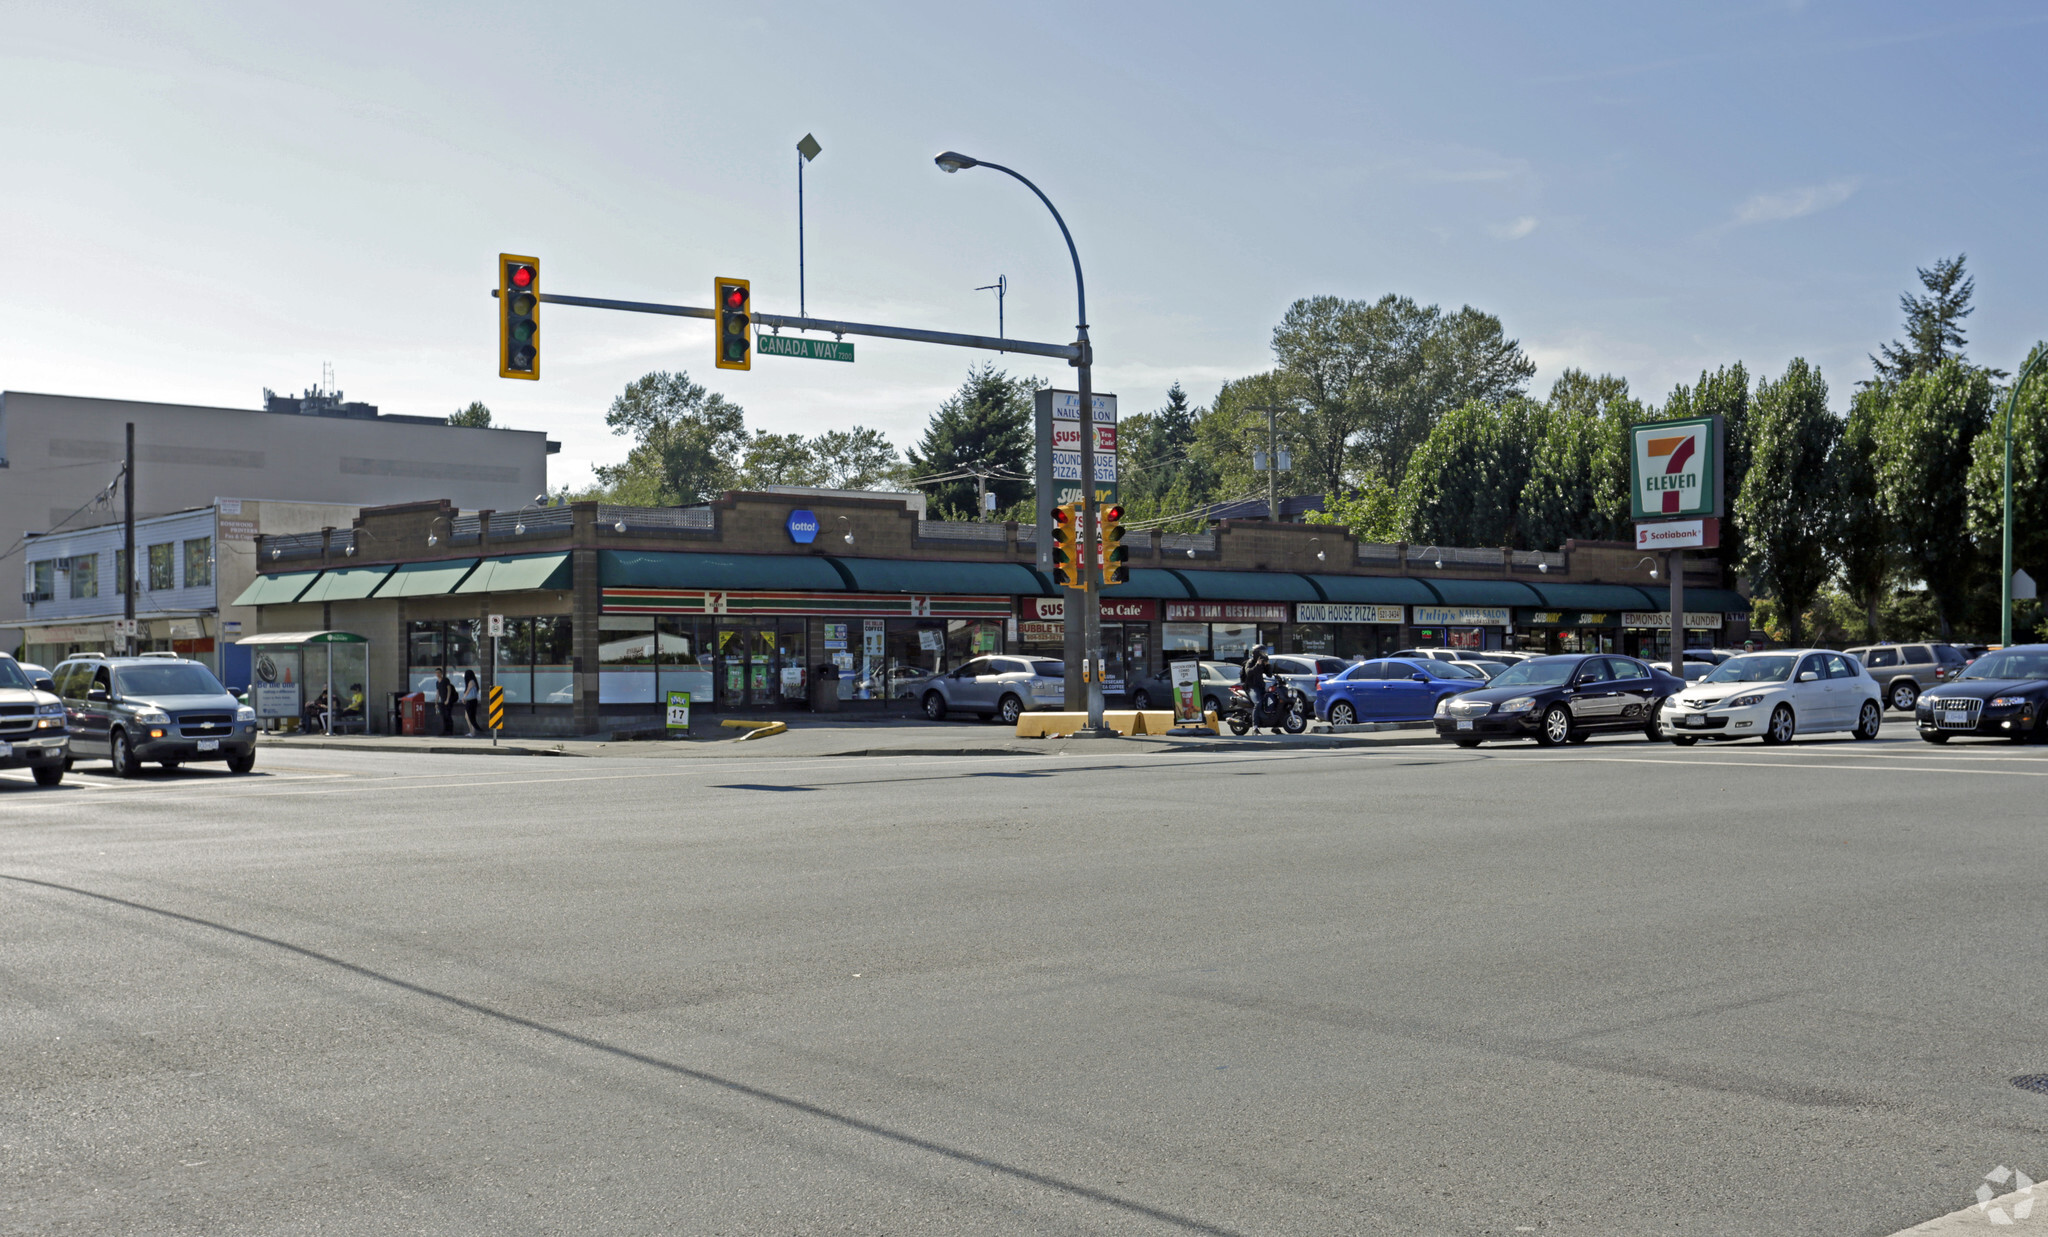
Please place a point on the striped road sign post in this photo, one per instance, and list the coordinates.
(496, 701)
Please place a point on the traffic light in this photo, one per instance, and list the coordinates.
(1116, 556)
(518, 316)
(1066, 545)
(735, 343)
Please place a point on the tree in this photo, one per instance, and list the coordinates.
(2029, 478)
(1157, 453)
(476, 416)
(1234, 428)
(1465, 482)
(1863, 537)
(1785, 501)
(687, 441)
(779, 459)
(1578, 479)
(1934, 323)
(1371, 511)
(1923, 451)
(1723, 393)
(854, 459)
(986, 425)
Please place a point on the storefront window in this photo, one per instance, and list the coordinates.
(441, 644)
(122, 574)
(967, 638)
(554, 653)
(85, 576)
(162, 567)
(1177, 641)
(916, 650)
(682, 662)
(1350, 641)
(625, 659)
(514, 671)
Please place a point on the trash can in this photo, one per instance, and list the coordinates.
(412, 710)
(825, 689)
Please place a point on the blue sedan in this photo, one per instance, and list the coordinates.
(1393, 689)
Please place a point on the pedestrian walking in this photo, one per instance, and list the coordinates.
(444, 696)
(472, 696)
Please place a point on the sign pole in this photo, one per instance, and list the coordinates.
(1674, 563)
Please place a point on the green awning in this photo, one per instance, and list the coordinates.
(1594, 597)
(276, 590)
(347, 584)
(521, 573)
(426, 579)
(1484, 592)
(903, 575)
(1723, 600)
(1248, 585)
(801, 573)
(303, 637)
(1376, 590)
(1150, 582)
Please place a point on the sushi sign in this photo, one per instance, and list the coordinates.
(1675, 469)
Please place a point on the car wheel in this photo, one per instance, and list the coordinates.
(935, 706)
(50, 775)
(242, 763)
(1654, 730)
(1211, 705)
(67, 764)
(121, 754)
(1935, 738)
(1685, 740)
(1783, 726)
(1905, 694)
(1556, 728)
(1868, 720)
(1009, 708)
(1342, 714)
(1141, 699)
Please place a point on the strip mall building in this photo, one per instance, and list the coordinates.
(605, 610)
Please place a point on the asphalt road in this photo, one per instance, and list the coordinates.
(1620, 988)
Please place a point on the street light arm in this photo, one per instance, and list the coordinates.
(1080, 288)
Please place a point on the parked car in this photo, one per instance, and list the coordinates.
(1712, 657)
(1777, 695)
(1004, 687)
(1303, 671)
(33, 734)
(1391, 689)
(1563, 698)
(1487, 667)
(1696, 670)
(1432, 654)
(1156, 691)
(36, 674)
(2002, 693)
(1971, 652)
(165, 709)
(1906, 670)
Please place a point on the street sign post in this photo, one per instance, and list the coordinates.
(495, 703)
(798, 346)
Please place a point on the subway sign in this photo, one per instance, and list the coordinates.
(1675, 469)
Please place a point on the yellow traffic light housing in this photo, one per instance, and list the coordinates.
(1066, 545)
(518, 316)
(1115, 555)
(735, 341)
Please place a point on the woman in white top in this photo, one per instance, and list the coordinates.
(472, 693)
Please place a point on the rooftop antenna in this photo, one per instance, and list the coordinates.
(1001, 288)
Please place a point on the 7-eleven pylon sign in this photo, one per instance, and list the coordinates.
(1675, 469)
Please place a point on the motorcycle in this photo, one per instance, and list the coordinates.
(1278, 708)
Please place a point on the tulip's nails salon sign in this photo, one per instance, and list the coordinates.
(1675, 469)
(803, 527)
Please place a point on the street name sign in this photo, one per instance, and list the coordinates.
(799, 346)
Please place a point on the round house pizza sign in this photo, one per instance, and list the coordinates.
(1675, 469)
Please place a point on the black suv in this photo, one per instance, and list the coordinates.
(32, 731)
(137, 709)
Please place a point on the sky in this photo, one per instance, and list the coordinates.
(204, 200)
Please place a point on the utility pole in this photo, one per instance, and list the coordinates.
(128, 542)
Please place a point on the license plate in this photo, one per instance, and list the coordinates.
(1955, 719)
(209, 745)
(1464, 723)
(1692, 721)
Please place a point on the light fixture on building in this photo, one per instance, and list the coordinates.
(350, 552)
(433, 539)
(620, 526)
(274, 553)
(1653, 565)
(1543, 567)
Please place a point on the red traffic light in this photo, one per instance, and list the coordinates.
(1062, 515)
(1112, 512)
(522, 277)
(735, 297)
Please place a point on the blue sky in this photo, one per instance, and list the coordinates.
(203, 200)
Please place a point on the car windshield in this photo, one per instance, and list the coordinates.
(1452, 670)
(1536, 674)
(2009, 666)
(1049, 669)
(1754, 668)
(183, 679)
(11, 675)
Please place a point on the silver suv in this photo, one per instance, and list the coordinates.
(1906, 670)
(1005, 687)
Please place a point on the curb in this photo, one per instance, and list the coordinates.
(504, 750)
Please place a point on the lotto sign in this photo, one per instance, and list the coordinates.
(1675, 469)
(678, 711)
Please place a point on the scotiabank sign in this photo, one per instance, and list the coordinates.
(1055, 608)
(1226, 612)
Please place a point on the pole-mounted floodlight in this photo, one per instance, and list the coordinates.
(953, 161)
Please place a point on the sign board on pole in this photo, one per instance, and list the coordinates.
(1675, 469)
(2023, 586)
(797, 345)
(494, 709)
(1058, 475)
(1700, 534)
(679, 711)
(1187, 693)
(494, 626)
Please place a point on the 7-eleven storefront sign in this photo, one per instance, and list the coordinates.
(1675, 469)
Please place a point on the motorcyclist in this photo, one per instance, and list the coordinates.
(1258, 669)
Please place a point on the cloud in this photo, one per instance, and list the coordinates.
(1513, 231)
(1793, 203)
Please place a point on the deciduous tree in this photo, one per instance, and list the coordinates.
(1785, 502)
(1924, 445)
(687, 441)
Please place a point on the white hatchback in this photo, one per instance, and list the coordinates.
(1775, 696)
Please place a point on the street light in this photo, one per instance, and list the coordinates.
(2005, 576)
(1653, 565)
(1091, 605)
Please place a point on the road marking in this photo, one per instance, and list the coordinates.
(1975, 1218)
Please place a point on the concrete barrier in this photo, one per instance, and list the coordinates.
(1123, 721)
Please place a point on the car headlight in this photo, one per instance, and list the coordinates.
(49, 710)
(1743, 702)
(245, 714)
(153, 717)
(2007, 702)
(1520, 704)
(1443, 705)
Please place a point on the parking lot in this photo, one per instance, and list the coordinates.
(1614, 988)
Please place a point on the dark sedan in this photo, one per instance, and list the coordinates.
(2002, 694)
(1565, 698)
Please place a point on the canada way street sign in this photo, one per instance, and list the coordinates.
(798, 345)
(1675, 469)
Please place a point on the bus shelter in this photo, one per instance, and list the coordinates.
(283, 665)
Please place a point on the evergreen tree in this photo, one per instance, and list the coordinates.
(1156, 454)
(476, 416)
(1785, 501)
(1934, 323)
(986, 425)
